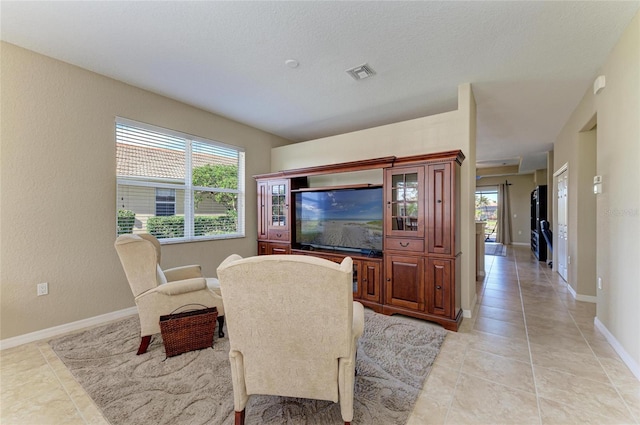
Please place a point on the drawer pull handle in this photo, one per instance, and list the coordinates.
(279, 235)
(404, 245)
(438, 287)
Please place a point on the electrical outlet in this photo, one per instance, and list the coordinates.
(43, 288)
(599, 282)
(569, 260)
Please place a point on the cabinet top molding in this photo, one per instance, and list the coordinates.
(366, 164)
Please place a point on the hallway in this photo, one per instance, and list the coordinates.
(530, 355)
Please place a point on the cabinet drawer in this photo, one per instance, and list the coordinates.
(279, 235)
(402, 244)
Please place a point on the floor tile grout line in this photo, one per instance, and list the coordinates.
(455, 387)
(64, 388)
(526, 330)
(562, 300)
(561, 297)
(498, 383)
(611, 381)
(466, 350)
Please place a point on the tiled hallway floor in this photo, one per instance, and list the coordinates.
(530, 354)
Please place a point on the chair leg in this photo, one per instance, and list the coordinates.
(347, 423)
(240, 418)
(144, 344)
(220, 325)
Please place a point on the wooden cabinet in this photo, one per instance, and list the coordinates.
(274, 214)
(439, 207)
(278, 195)
(404, 282)
(422, 239)
(439, 287)
(404, 203)
(419, 272)
(368, 280)
(272, 248)
(262, 210)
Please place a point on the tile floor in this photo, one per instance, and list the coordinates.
(531, 354)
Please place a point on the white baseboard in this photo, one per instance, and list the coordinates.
(626, 358)
(68, 327)
(521, 243)
(586, 298)
(469, 313)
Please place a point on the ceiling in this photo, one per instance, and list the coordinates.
(529, 63)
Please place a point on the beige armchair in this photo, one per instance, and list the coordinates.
(293, 328)
(158, 292)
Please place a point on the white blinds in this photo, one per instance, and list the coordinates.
(176, 186)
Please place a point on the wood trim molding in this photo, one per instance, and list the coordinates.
(366, 164)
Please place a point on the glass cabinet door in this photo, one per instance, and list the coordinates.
(279, 205)
(405, 201)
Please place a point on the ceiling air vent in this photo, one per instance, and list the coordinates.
(361, 72)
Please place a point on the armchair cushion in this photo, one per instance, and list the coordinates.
(182, 286)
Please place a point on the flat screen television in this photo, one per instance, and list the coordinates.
(348, 219)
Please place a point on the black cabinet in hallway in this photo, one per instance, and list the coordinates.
(538, 212)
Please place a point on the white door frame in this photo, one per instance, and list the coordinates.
(561, 235)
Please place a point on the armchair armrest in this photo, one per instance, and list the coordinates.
(183, 272)
(182, 286)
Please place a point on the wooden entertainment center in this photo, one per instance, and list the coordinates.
(417, 273)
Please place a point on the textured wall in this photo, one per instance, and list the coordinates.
(617, 109)
(59, 188)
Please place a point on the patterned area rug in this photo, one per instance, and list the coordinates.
(395, 355)
(495, 249)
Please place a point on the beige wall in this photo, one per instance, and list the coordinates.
(520, 203)
(617, 238)
(436, 133)
(58, 194)
(540, 177)
(585, 281)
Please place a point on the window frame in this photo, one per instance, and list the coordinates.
(166, 203)
(187, 185)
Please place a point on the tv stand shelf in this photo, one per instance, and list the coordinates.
(418, 271)
(337, 252)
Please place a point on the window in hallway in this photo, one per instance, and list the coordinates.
(487, 210)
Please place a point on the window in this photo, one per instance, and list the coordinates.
(487, 210)
(165, 202)
(176, 186)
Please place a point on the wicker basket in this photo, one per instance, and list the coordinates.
(188, 331)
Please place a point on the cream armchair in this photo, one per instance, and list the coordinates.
(293, 328)
(158, 292)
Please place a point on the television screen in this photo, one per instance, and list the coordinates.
(345, 218)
